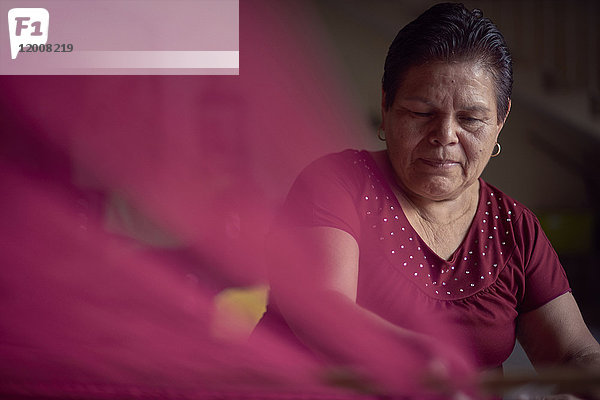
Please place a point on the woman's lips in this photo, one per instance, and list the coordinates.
(439, 163)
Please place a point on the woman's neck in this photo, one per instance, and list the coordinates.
(440, 212)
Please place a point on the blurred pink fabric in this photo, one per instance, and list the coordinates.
(92, 310)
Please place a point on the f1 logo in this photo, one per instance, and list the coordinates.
(27, 26)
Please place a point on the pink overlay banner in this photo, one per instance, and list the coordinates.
(114, 37)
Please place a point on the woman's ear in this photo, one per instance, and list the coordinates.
(382, 108)
(507, 111)
(501, 124)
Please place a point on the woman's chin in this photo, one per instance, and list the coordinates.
(439, 188)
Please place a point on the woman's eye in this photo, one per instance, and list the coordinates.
(421, 114)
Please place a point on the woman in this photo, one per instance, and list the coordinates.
(414, 229)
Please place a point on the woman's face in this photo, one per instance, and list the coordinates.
(441, 128)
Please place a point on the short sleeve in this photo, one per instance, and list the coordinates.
(545, 278)
(325, 194)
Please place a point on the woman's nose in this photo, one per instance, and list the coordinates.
(443, 131)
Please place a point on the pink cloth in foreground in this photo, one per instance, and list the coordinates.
(504, 267)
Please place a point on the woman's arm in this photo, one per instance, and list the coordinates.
(555, 334)
(314, 279)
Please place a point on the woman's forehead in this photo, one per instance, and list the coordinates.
(438, 82)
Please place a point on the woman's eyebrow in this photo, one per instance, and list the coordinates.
(476, 108)
(418, 99)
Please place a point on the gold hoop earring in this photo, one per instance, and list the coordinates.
(496, 153)
(379, 131)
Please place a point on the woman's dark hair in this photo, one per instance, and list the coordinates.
(450, 32)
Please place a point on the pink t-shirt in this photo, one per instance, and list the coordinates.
(505, 265)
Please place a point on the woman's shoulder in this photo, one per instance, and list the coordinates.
(328, 192)
(343, 158)
(513, 215)
(349, 164)
(504, 204)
